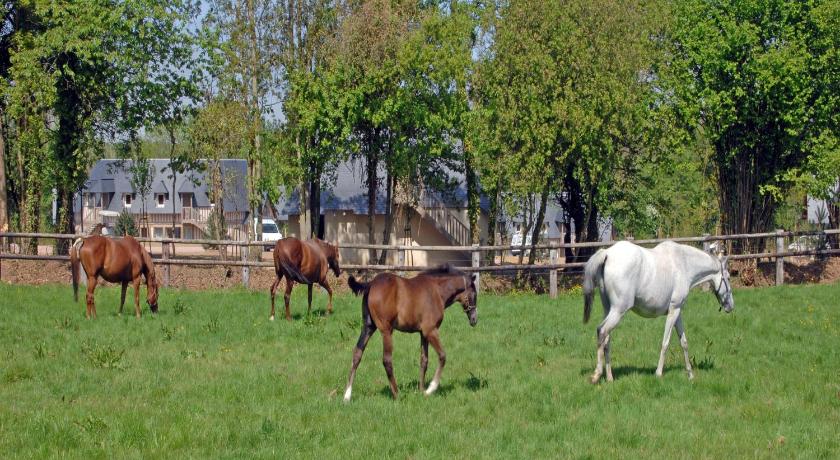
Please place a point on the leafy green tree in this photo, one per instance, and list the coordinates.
(125, 224)
(86, 70)
(564, 105)
(760, 79)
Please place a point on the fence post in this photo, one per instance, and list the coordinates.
(476, 262)
(401, 261)
(706, 243)
(552, 274)
(166, 267)
(243, 253)
(780, 261)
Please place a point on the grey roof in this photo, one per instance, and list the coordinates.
(349, 193)
(113, 176)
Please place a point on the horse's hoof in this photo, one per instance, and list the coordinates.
(609, 378)
(595, 379)
(271, 318)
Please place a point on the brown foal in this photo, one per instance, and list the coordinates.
(305, 262)
(416, 304)
(117, 260)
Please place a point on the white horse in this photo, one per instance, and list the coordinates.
(651, 282)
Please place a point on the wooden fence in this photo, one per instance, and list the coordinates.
(778, 238)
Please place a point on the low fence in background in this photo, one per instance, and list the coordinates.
(776, 239)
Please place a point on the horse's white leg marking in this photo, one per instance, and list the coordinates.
(604, 329)
(673, 314)
(348, 392)
(607, 359)
(684, 344)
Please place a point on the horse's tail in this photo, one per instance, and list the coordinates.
(74, 266)
(592, 273)
(289, 268)
(356, 286)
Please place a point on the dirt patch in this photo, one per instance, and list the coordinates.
(798, 270)
(182, 277)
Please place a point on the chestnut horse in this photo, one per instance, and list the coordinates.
(118, 260)
(411, 305)
(304, 262)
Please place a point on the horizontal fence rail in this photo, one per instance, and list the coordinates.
(779, 253)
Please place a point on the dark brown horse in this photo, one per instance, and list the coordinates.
(411, 305)
(304, 262)
(117, 260)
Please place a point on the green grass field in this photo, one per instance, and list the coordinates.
(210, 376)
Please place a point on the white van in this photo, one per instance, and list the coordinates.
(270, 233)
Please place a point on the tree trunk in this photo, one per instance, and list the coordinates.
(535, 235)
(172, 191)
(255, 200)
(4, 209)
(473, 198)
(493, 223)
(315, 202)
(389, 215)
(372, 166)
(744, 209)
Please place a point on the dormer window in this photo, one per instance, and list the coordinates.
(160, 199)
(127, 199)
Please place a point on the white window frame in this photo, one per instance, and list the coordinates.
(158, 202)
(128, 198)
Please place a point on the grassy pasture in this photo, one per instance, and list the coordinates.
(210, 376)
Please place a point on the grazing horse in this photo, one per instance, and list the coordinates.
(117, 260)
(305, 262)
(411, 305)
(651, 282)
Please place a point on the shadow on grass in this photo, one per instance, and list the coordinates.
(623, 371)
(472, 383)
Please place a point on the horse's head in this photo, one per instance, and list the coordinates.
(468, 298)
(333, 257)
(152, 294)
(723, 287)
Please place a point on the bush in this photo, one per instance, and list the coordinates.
(125, 224)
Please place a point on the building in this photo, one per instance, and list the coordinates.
(108, 192)
(422, 217)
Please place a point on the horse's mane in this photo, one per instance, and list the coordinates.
(442, 270)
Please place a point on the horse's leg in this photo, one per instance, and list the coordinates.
(329, 292)
(673, 314)
(605, 302)
(137, 297)
(603, 332)
(288, 295)
(434, 339)
(273, 292)
(367, 332)
(387, 360)
(684, 344)
(122, 295)
(309, 299)
(91, 306)
(424, 360)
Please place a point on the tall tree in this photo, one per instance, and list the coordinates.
(85, 70)
(565, 102)
(760, 79)
(243, 39)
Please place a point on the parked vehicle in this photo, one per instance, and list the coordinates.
(808, 242)
(516, 243)
(270, 233)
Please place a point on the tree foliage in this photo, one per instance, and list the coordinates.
(760, 78)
